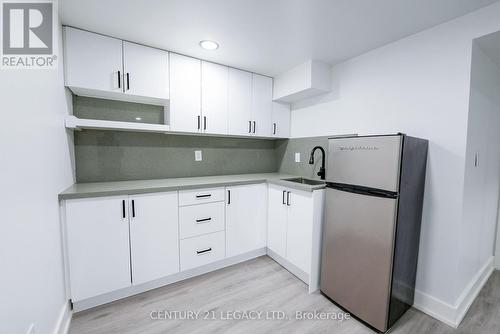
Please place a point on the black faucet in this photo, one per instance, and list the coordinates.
(321, 172)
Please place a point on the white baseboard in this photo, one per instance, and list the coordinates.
(453, 315)
(62, 326)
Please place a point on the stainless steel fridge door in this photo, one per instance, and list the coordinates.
(365, 161)
(358, 243)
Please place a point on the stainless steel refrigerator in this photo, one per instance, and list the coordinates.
(373, 210)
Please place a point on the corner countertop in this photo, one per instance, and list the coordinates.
(96, 189)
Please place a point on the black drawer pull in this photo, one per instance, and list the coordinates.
(284, 192)
(203, 220)
(133, 208)
(204, 251)
(203, 196)
(123, 208)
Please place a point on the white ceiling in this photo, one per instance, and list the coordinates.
(264, 36)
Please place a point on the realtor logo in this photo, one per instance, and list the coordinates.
(28, 34)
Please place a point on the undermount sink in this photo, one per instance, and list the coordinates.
(305, 181)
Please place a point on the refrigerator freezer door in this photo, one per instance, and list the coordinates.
(358, 243)
(365, 161)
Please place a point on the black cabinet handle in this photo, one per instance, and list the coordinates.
(199, 122)
(204, 251)
(119, 79)
(203, 196)
(284, 192)
(249, 126)
(128, 81)
(288, 198)
(204, 122)
(123, 208)
(203, 220)
(253, 126)
(133, 208)
(274, 128)
(229, 197)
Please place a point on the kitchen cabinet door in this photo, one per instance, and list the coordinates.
(185, 93)
(246, 218)
(262, 105)
(92, 61)
(98, 245)
(277, 220)
(145, 71)
(214, 80)
(281, 120)
(154, 236)
(299, 229)
(239, 102)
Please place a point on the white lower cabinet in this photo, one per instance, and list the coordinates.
(114, 242)
(201, 250)
(277, 220)
(246, 221)
(294, 226)
(98, 245)
(154, 236)
(201, 219)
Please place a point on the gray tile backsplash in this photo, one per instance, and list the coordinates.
(118, 156)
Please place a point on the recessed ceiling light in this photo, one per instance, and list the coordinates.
(138, 118)
(209, 45)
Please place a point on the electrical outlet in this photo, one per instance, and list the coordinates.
(197, 156)
(31, 330)
(297, 156)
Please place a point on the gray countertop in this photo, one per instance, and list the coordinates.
(84, 190)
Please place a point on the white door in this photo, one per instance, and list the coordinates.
(299, 229)
(98, 245)
(145, 71)
(185, 93)
(277, 220)
(262, 105)
(239, 101)
(92, 61)
(246, 218)
(154, 236)
(214, 79)
(281, 120)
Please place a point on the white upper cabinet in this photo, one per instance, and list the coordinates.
(214, 87)
(145, 71)
(105, 67)
(239, 102)
(246, 221)
(262, 105)
(154, 236)
(281, 120)
(185, 94)
(92, 62)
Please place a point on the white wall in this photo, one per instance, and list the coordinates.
(36, 166)
(482, 182)
(418, 85)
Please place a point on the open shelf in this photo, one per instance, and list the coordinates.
(75, 123)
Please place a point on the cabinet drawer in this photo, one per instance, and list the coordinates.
(201, 250)
(197, 196)
(201, 219)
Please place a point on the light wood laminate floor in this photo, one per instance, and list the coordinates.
(262, 285)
